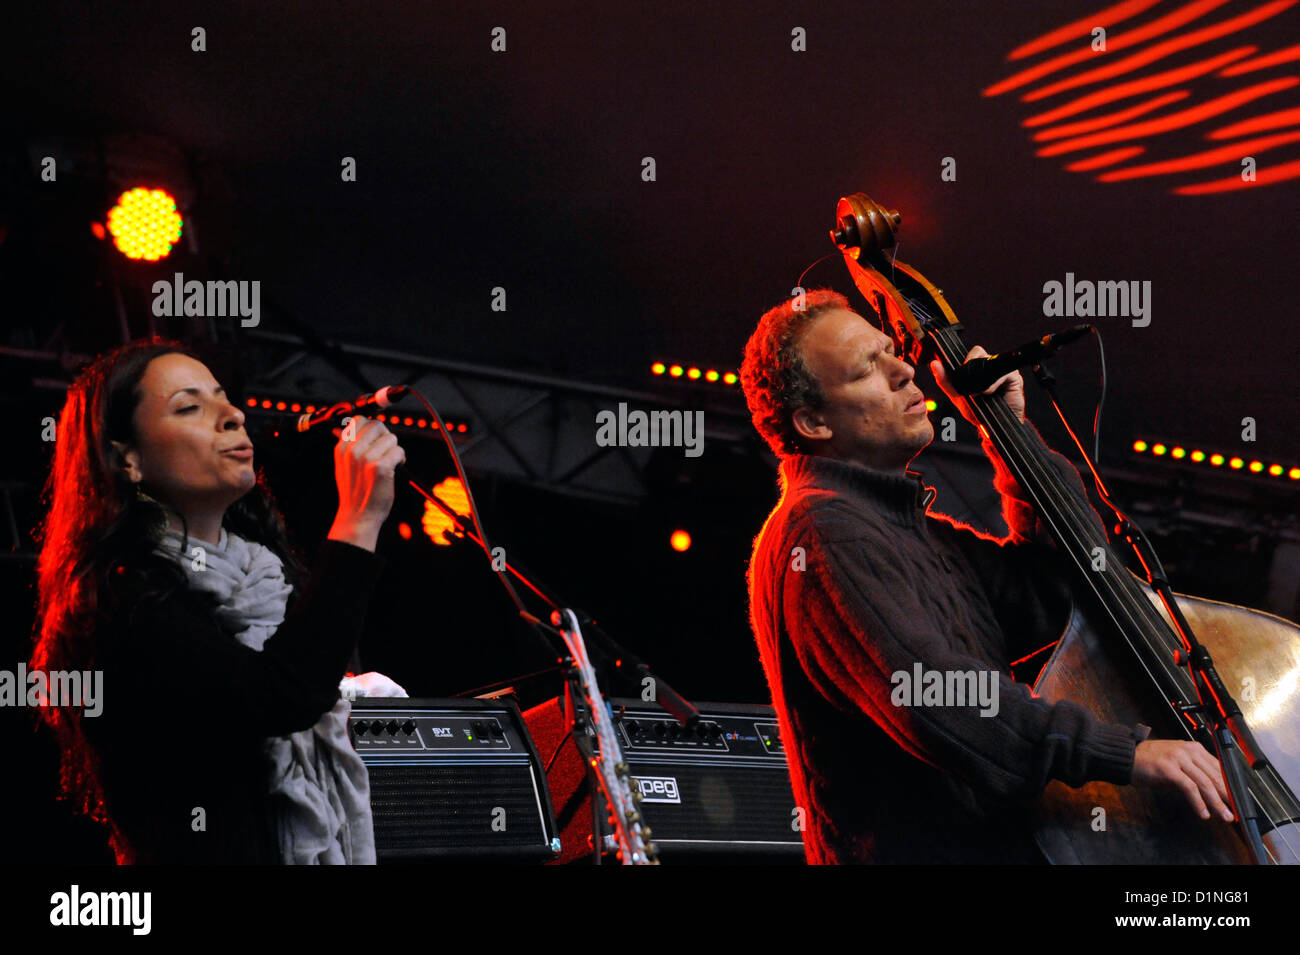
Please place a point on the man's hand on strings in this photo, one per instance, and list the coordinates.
(1185, 766)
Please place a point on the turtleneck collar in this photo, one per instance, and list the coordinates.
(903, 499)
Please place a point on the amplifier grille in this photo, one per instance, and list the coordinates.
(726, 804)
(449, 810)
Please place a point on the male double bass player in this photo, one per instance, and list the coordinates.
(858, 591)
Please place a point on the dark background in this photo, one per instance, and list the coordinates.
(523, 170)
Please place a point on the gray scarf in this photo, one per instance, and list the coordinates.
(319, 786)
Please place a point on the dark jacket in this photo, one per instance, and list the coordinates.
(885, 585)
(186, 709)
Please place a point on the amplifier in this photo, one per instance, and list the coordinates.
(453, 780)
(720, 791)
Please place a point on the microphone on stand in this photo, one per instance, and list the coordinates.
(978, 373)
(366, 403)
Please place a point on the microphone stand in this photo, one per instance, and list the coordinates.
(591, 726)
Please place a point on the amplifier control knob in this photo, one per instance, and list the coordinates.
(391, 727)
(408, 727)
(633, 729)
(360, 726)
(497, 731)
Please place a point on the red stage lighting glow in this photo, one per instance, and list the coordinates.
(680, 541)
(1115, 79)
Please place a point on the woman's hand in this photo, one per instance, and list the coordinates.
(1011, 386)
(365, 459)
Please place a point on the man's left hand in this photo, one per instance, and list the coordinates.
(1011, 386)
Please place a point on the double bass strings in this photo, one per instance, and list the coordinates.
(1126, 595)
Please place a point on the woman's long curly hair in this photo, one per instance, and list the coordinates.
(96, 525)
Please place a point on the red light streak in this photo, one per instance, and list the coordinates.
(1125, 90)
(1110, 119)
(1084, 27)
(1285, 117)
(1162, 50)
(1264, 62)
(1174, 120)
(1123, 41)
(1265, 176)
(1105, 159)
(1230, 154)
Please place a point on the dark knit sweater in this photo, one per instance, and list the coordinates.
(187, 709)
(886, 585)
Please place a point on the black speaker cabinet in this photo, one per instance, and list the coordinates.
(453, 780)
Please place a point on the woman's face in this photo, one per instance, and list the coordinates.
(191, 449)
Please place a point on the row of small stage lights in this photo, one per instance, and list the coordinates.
(1214, 459)
(405, 421)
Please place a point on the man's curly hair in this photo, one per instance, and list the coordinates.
(774, 377)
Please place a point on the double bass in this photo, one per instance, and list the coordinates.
(1131, 650)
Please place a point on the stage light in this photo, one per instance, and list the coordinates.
(658, 368)
(693, 374)
(711, 375)
(1158, 449)
(145, 224)
(437, 524)
(675, 371)
(1177, 453)
(1275, 470)
(1139, 446)
(730, 378)
(404, 531)
(931, 404)
(1216, 460)
(1198, 456)
(1256, 466)
(1294, 474)
(1236, 463)
(680, 541)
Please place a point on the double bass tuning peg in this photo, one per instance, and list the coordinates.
(862, 223)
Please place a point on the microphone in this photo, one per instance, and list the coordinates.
(978, 373)
(379, 399)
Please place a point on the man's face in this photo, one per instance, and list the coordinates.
(874, 415)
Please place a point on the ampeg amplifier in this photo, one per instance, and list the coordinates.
(718, 791)
(453, 779)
